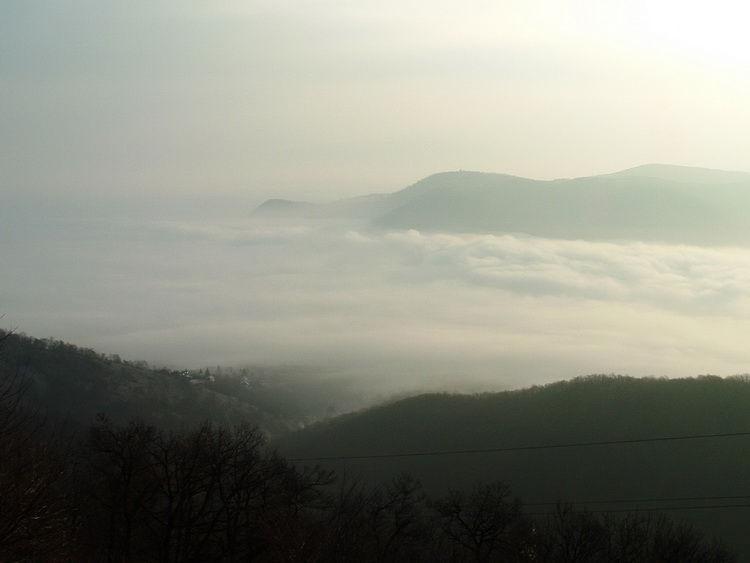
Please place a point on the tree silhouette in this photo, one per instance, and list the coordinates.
(483, 525)
(34, 474)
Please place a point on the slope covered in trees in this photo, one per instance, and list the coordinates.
(67, 381)
(595, 440)
(114, 490)
(134, 492)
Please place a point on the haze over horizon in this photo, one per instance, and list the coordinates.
(136, 139)
(402, 309)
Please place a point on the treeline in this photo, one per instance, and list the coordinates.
(66, 380)
(136, 492)
(592, 409)
(78, 383)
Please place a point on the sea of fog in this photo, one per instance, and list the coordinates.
(414, 309)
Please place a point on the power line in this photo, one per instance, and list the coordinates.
(638, 501)
(625, 501)
(520, 448)
(653, 509)
(671, 507)
(579, 445)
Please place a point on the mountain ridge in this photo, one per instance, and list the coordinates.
(690, 174)
(652, 203)
(588, 440)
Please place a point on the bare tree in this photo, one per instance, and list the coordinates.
(572, 536)
(398, 519)
(35, 509)
(116, 465)
(209, 493)
(484, 525)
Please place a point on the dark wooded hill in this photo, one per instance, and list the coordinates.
(547, 444)
(68, 381)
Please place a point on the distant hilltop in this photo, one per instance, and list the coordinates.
(653, 202)
(282, 206)
(688, 174)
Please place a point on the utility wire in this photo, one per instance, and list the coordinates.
(625, 501)
(578, 445)
(652, 509)
(645, 508)
(520, 448)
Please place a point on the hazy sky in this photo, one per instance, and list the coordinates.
(325, 99)
(118, 118)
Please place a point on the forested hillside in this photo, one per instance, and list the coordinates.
(611, 443)
(68, 381)
(586, 441)
(135, 492)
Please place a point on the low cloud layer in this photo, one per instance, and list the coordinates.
(414, 309)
